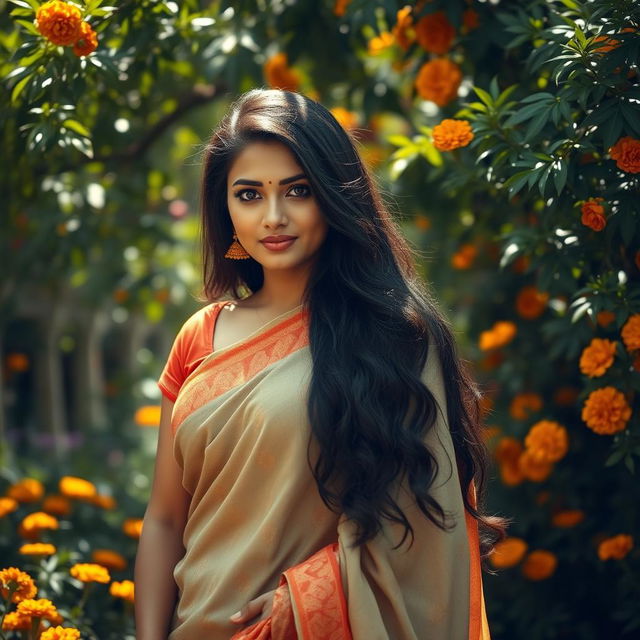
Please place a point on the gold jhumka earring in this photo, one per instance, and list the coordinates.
(236, 251)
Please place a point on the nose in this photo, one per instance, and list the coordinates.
(275, 213)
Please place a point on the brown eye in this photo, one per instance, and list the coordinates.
(305, 190)
(239, 194)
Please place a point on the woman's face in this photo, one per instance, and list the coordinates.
(268, 194)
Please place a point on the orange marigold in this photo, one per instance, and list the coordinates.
(41, 608)
(37, 549)
(435, 33)
(530, 302)
(615, 548)
(279, 75)
(507, 453)
(605, 318)
(597, 357)
(452, 134)
(539, 564)
(147, 416)
(532, 468)
(379, 43)
(89, 572)
(593, 214)
(57, 505)
(7, 505)
(470, 20)
(104, 501)
(347, 119)
(340, 7)
(74, 487)
(124, 590)
(26, 490)
(508, 552)
(109, 558)
(463, 258)
(630, 332)
(606, 411)
(524, 404)
(17, 581)
(15, 621)
(17, 362)
(87, 42)
(403, 30)
(438, 81)
(565, 396)
(626, 153)
(502, 332)
(567, 518)
(32, 525)
(609, 44)
(132, 527)
(60, 633)
(59, 22)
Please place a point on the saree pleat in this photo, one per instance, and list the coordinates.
(256, 521)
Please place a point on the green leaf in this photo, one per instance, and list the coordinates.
(517, 181)
(399, 141)
(560, 175)
(19, 87)
(615, 457)
(76, 126)
(430, 153)
(484, 96)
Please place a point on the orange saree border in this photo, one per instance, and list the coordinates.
(221, 371)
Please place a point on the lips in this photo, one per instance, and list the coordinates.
(277, 238)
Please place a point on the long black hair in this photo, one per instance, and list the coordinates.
(372, 321)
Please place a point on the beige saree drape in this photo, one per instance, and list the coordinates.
(256, 521)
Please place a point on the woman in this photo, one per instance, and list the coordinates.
(319, 450)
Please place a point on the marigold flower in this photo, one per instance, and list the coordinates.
(109, 558)
(347, 119)
(37, 549)
(567, 518)
(26, 490)
(531, 302)
(438, 81)
(17, 362)
(87, 42)
(379, 43)
(606, 411)
(7, 505)
(565, 396)
(463, 258)
(147, 416)
(403, 30)
(21, 582)
(57, 505)
(41, 608)
(631, 332)
(104, 501)
(89, 572)
(15, 621)
(626, 153)
(340, 7)
(59, 22)
(279, 75)
(593, 214)
(532, 468)
(615, 548)
(422, 222)
(507, 454)
(132, 527)
(502, 332)
(539, 564)
(74, 487)
(60, 633)
(435, 33)
(33, 524)
(609, 44)
(124, 590)
(597, 357)
(470, 20)
(452, 134)
(605, 318)
(524, 404)
(508, 552)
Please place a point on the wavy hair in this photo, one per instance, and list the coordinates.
(372, 320)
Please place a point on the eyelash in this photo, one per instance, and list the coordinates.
(238, 194)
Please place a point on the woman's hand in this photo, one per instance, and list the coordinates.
(258, 606)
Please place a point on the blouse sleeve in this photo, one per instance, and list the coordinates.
(421, 591)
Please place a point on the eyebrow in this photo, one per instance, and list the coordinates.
(257, 183)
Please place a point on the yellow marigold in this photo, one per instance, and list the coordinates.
(89, 572)
(532, 468)
(403, 30)
(626, 153)
(615, 548)
(347, 119)
(567, 518)
(565, 396)
(279, 75)
(438, 81)
(631, 332)
(470, 20)
(26, 490)
(7, 505)
(124, 590)
(33, 524)
(524, 404)
(74, 487)
(502, 332)
(37, 549)
(605, 318)
(606, 411)
(87, 42)
(340, 7)
(508, 552)
(147, 416)
(379, 43)
(104, 501)
(539, 564)
(17, 362)
(109, 558)
(530, 302)
(20, 582)
(59, 22)
(547, 441)
(60, 633)
(132, 527)
(15, 621)
(57, 505)
(451, 134)
(593, 214)
(597, 357)
(463, 258)
(435, 33)
(41, 608)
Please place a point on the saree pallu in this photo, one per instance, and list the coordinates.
(256, 522)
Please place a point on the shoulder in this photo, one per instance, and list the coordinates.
(201, 317)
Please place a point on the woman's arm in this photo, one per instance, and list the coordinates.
(160, 545)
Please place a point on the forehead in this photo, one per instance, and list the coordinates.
(264, 158)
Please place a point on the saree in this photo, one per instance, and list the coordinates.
(256, 521)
